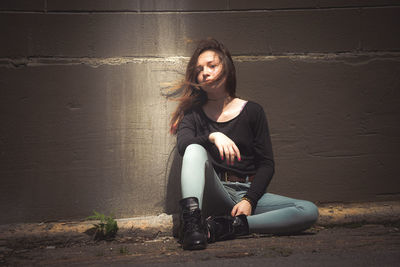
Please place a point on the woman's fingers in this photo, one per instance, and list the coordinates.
(243, 207)
(226, 147)
(237, 152)
(231, 155)
(221, 152)
(234, 210)
(231, 151)
(226, 153)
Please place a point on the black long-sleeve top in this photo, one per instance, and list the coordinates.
(248, 130)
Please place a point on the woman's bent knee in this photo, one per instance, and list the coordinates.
(195, 152)
(309, 210)
(195, 147)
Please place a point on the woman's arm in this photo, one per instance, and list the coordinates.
(187, 134)
(264, 161)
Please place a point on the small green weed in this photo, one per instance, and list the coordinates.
(106, 229)
(283, 252)
(123, 250)
(100, 253)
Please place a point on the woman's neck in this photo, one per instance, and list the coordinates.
(219, 102)
(217, 96)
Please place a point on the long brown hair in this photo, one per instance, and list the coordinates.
(189, 93)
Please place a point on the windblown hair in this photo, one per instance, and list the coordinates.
(189, 93)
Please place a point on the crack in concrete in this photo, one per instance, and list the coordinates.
(320, 155)
(93, 62)
(348, 58)
(140, 11)
(389, 194)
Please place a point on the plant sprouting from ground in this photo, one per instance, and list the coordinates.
(107, 227)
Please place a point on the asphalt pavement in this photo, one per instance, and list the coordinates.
(356, 244)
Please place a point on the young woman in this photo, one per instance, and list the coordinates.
(227, 158)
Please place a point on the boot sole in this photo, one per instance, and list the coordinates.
(195, 247)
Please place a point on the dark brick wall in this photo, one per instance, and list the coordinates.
(83, 125)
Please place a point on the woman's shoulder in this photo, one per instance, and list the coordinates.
(255, 113)
(191, 111)
(193, 114)
(252, 106)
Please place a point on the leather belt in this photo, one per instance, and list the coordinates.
(231, 177)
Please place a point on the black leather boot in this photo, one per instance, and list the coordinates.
(193, 230)
(227, 227)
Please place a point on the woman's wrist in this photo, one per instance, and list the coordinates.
(211, 137)
(245, 198)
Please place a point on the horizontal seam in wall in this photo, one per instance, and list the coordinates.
(122, 11)
(359, 58)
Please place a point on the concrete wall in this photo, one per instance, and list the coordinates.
(83, 125)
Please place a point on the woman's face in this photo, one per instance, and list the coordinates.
(209, 66)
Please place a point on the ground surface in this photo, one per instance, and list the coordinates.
(352, 245)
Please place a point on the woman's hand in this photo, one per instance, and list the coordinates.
(243, 207)
(225, 146)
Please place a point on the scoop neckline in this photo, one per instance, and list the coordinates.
(241, 111)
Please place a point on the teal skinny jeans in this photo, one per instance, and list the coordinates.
(273, 214)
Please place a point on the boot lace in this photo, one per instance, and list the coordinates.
(193, 221)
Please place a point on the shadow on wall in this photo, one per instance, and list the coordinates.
(173, 193)
(173, 172)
